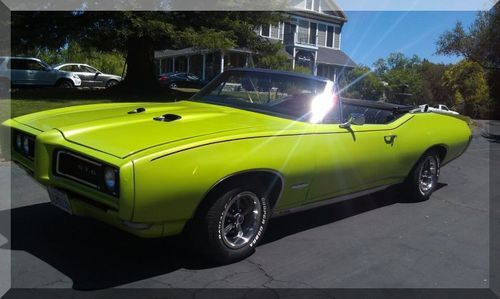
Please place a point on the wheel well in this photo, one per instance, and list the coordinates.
(59, 81)
(441, 150)
(272, 181)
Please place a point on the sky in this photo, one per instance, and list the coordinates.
(370, 35)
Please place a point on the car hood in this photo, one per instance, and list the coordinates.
(113, 129)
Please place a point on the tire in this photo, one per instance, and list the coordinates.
(65, 84)
(111, 83)
(172, 85)
(423, 178)
(222, 233)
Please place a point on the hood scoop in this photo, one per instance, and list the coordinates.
(167, 117)
(138, 110)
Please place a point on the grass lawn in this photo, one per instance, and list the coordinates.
(34, 100)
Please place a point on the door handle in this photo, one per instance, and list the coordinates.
(389, 139)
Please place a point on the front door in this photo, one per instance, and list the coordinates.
(354, 159)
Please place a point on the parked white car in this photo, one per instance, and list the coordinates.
(443, 109)
(439, 109)
(91, 77)
(27, 71)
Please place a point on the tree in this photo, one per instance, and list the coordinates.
(362, 83)
(435, 91)
(467, 80)
(138, 34)
(480, 44)
(401, 73)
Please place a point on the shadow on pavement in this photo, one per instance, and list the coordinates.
(96, 256)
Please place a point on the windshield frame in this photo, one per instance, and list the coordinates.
(258, 108)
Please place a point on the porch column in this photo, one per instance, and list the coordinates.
(293, 61)
(221, 62)
(203, 66)
(161, 66)
(315, 67)
(173, 64)
(188, 62)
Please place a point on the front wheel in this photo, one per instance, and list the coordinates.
(424, 177)
(65, 84)
(232, 224)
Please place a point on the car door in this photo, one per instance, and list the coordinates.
(95, 77)
(85, 75)
(354, 158)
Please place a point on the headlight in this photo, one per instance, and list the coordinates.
(24, 144)
(75, 76)
(110, 178)
(19, 142)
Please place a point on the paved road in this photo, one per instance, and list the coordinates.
(373, 241)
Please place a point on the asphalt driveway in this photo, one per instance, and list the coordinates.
(375, 241)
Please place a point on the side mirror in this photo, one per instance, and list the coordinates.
(357, 119)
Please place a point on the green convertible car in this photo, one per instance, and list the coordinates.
(251, 145)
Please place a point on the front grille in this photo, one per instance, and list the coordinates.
(84, 170)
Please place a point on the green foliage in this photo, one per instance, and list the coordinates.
(111, 62)
(467, 80)
(362, 83)
(140, 33)
(479, 43)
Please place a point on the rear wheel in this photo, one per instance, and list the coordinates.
(424, 177)
(111, 83)
(232, 223)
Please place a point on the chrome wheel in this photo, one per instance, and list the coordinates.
(240, 219)
(428, 175)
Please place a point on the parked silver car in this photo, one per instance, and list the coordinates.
(91, 77)
(28, 71)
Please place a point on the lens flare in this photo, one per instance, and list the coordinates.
(322, 104)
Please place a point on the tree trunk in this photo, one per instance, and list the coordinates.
(140, 64)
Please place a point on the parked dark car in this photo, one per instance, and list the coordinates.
(90, 76)
(181, 79)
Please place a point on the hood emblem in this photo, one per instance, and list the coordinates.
(167, 117)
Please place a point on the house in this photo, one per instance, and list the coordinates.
(312, 37)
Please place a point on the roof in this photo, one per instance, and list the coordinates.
(192, 51)
(334, 57)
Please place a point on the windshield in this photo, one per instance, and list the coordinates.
(282, 95)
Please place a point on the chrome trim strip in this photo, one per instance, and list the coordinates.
(328, 201)
(300, 186)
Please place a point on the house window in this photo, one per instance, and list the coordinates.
(312, 33)
(329, 37)
(321, 35)
(265, 30)
(275, 31)
(316, 5)
(309, 4)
